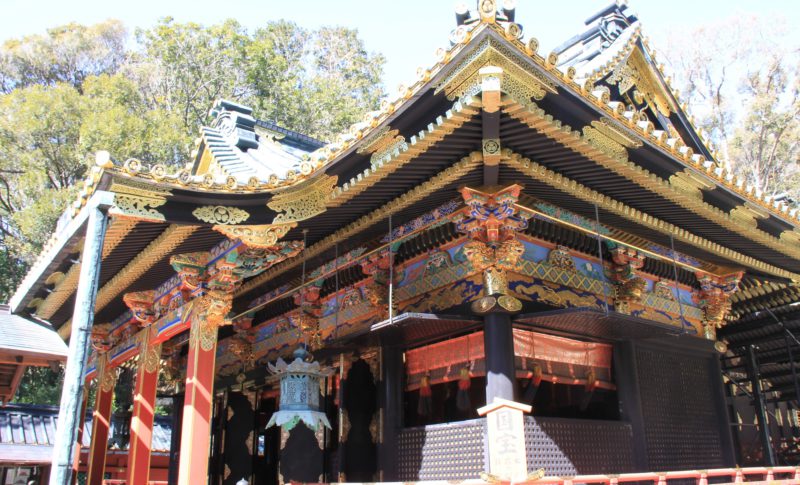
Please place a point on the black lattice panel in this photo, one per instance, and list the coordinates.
(442, 452)
(678, 407)
(567, 447)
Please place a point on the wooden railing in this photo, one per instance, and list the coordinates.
(779, 474)
(769, 475)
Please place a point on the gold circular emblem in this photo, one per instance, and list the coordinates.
(509, 303)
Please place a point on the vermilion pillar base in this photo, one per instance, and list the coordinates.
(197, 407)
(101, 420)
(144, 402)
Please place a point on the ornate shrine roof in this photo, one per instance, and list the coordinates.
(593, 128)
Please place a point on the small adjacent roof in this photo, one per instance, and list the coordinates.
(29, 339)
(27, 432)
(242, 147)
(24, 342)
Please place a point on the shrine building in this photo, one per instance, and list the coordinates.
(513, 230)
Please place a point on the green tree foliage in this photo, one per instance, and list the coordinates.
(40, 385)
(79, 89)
(315, 82)
(66, 54)
(185, 67)
(740, 76)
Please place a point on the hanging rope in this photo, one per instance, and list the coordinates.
(465, 381)
(336, 291)
(391, 272)
(675, 275)
(302, 290)
(600, 252)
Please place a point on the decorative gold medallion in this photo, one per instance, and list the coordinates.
(509, 303)
(218, 214)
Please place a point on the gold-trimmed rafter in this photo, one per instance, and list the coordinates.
(303, 201)
(461, 112)
(161, 246)
(558, 181)
(536, 118)
(118, 228)
(433, 184)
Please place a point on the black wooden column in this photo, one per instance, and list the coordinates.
(237, 455)
(391, 401)
(175, 438)
(761, 412)
(629, 393)
(498, 343)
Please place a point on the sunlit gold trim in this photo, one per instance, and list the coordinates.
(118, 228)
(538, 119)
(435, 183)
(256, 236)
(575, 189)
(461, 112)
(161, 246)
(303, 201)
(220, 214)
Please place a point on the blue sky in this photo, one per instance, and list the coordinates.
(407, 32)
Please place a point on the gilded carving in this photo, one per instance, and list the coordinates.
(304, 201)
(140, 304)
(491, 147)
(542, 174)
(748, 214)
(544, 123)
(616, 132)
(663, 289)
(491, 220)
(218, 214)
(714, 299)
(100, 337)
(383, 145)
(691, 183)
(628, 286)
(636, 72)
(559, 257)
(106, 375)
(604, 143)
(256, 236)
(138, 207)
(150, 354)
(435, 183)
(465, 76)
(211, 311)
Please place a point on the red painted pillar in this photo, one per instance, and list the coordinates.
(101, 421)
(197, 407)
(144, 403)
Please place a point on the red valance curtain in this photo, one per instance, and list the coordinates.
(561, 359)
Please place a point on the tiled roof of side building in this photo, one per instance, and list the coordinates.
(27, 431)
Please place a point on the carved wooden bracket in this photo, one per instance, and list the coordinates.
(492, 220)
(714, 299)
(628, 286)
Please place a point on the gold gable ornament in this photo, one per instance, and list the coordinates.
(303, 202)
